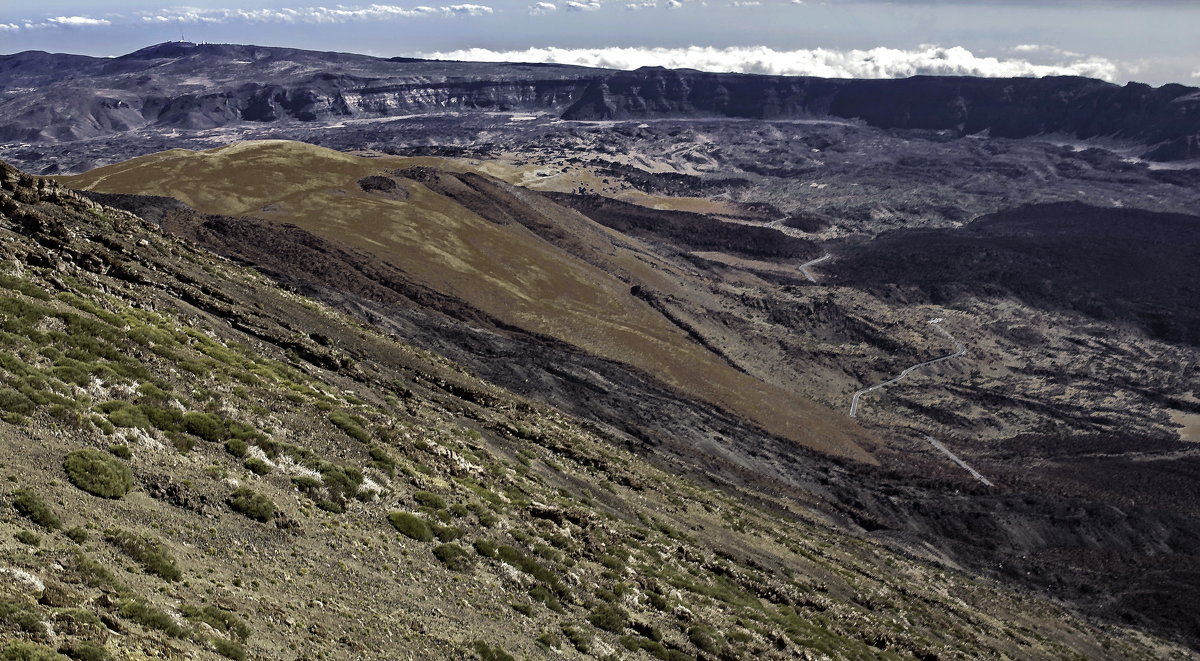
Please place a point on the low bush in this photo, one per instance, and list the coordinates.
(430, 500)
(229, 649)
(121, 452)
(453, 556)
(486, 548)
(382, 460)
(219, 620)
(252, 504)
(411, 526)
(31, 506)
(488, 653)
(350, 424)
(150, 617)
(28, 537)
(151, 554)
(257, 466)
(609, 617)
(98, 473)
(82, 650)
(237, 447)
(206, 426)
(17, 650)
(21, 616)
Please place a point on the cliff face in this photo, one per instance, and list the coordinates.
(1166, 119)
(56, 98)
(195, 87)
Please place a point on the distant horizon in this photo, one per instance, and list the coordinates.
(479, 55)
(1152, 41)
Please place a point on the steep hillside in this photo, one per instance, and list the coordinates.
(572, 280)
(203, 464)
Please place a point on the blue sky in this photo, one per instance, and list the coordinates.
(1154, 41)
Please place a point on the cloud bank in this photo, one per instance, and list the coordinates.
(336, 14)
(827, 63)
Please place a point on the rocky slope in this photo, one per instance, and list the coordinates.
(202, 464)
(1096, 390)
(1166, 120)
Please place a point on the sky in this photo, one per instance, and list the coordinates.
(1151, 41)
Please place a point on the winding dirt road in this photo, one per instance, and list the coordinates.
(960, 350)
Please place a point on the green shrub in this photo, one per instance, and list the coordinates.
(22, 651)
(98, 473)
(453, 556)
(94, 574)
(307, 484)
(486, 548)
(252, 504)
(543, 594)
(28, 537)
(447, 533)
(151, 554)
(82, 650)
(257, 466)
(430, 500)
(341, 482)
(229, 649)
(218, 619)
(352, 425)
(124, 414)
(77, 535)
(31, 506)
(164, 419)
(530, 566)
(579, 640)
(13, 401)
(121, 452)
(609, 617)
(411, 525)
(488, 653)
(704, 638)
(382, 460)
(206, 426)
(237, 447)
(150, 617)
(22, 616)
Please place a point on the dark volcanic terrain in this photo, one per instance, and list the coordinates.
(624, 250)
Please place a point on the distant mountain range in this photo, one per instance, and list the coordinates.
(178, 85)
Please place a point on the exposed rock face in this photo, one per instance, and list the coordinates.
(1167, 118)
(196, 87)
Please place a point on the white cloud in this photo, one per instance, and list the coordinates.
(645, 4)
(873, 63)
(674, 4)
(745, 3)
(542, 8)
(587, 5)
(5, 27)
(76, 21)
(336, 14)
(1196, 73)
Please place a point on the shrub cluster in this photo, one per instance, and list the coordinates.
(98, 473)
(252, 504)
(411, 525)
(31, 506)
(151, 554)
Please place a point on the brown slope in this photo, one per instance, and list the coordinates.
(506, 270)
